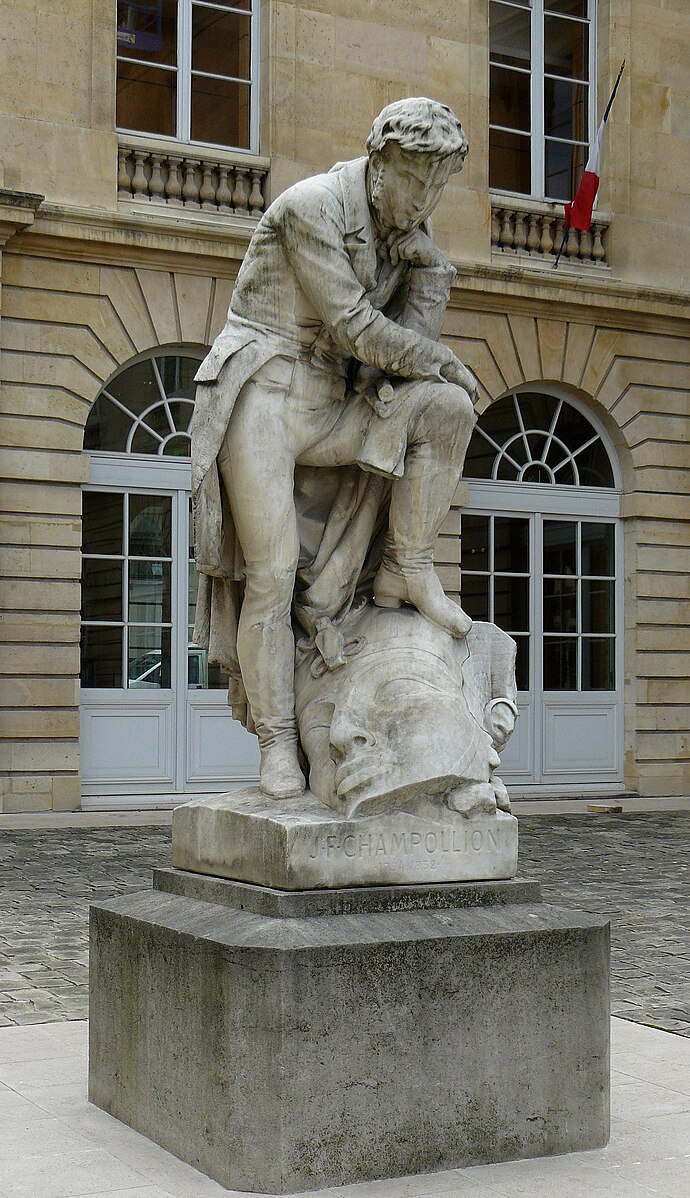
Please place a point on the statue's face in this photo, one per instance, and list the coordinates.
(406, 187)
(378, 736)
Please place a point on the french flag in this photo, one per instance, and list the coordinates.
(578, 212)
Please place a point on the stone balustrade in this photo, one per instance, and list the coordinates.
(535, 231)
(191, 178)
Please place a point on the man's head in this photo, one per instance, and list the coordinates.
(414, 146)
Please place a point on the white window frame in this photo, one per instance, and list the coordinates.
(183, 70)
(537, 75)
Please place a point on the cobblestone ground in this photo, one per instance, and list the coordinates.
(631, 868)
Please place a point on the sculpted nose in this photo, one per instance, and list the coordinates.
(348, 733)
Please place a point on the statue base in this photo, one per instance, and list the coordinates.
(300, 844)
(287, 1041)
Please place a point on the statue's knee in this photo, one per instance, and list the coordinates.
(450, 406)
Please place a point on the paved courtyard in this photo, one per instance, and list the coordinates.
(631, 868)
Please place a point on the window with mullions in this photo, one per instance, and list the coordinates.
(541, 95)
(185, 69)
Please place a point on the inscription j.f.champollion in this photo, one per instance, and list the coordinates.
(395, 844)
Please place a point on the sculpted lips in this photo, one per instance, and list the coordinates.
(360, 771)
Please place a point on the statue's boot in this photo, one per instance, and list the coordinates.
(420, 502)
(267, 657)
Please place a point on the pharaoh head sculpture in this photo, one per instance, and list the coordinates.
(413, 716)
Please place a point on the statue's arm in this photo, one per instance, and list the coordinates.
(313, 237)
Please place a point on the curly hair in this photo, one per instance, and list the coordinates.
(421, 125)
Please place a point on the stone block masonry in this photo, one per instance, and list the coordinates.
(282, 1042)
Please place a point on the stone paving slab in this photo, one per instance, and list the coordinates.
(631, 868)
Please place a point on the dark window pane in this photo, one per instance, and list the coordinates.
(135, 387)
(107, 427)
(510, 34)
(594, 466)
(148, 31)
(509, 464)
(480, 457)
(564, 165)
(220, 42)
(148, 655)
(560, 664)
(102, 522)
(511, 545)
(178, 447)
(564, 472)
(522, 662)
(201, 674)
(572, 428)
(146, 99)
(150, 519)
(560, 605)
(565, 109)
(511, 604)
(537, 413)
(177, 376)
(181, 411)
(510, 99)
(101, 657)
(571, 8)
(192, 591)
(565, 47)
(598, 673)
(598, 549)
(101, 589)
(559, 547)
(474, 596)
(220, 112)
(536, 473)
(475, 542)
(149, 592)
(145, 442)
(597, 606)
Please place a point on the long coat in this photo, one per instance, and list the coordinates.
(313, 285)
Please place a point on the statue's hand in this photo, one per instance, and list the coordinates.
(376, 388)
(416, 247)
(455, 372)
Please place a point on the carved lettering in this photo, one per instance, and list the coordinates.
(396, 844)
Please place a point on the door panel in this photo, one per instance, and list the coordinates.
(128, 741)
(579, 739)
(219, 749)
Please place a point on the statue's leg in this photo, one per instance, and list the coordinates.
(257, 467)
(441, 423)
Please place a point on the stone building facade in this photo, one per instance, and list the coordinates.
(119, 249)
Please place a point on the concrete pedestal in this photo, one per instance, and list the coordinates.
(285, 1041)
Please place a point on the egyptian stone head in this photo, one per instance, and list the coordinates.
(407, 719)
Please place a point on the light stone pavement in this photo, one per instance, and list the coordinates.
(631, 868)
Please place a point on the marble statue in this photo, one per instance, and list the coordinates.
(328, 439)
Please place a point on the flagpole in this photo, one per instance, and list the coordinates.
(604, 119)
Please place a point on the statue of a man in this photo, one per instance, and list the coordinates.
(330, 426)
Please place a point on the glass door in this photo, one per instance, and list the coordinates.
(155, 721)
(551, 583)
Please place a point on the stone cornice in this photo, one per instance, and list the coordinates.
(17, 211)
(215, 245)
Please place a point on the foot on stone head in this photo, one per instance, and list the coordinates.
(423, 591)
(281, 776)
(474, 798)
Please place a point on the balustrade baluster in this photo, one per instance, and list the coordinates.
(224, 192)
(140, 184)
(256, 199)
(495, 227)
(572, 248)
(156, 184)
(207, 193)
(507, 229)
(520, 236)
(598, 251)
(173, 186)
(533, 239)
(586, 245)
(124, 184)
(240, 195)
(546, 242)
(190, 187)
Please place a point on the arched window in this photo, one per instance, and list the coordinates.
(147, 408)
(536, 438)
(155, 719)
(541, 557)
